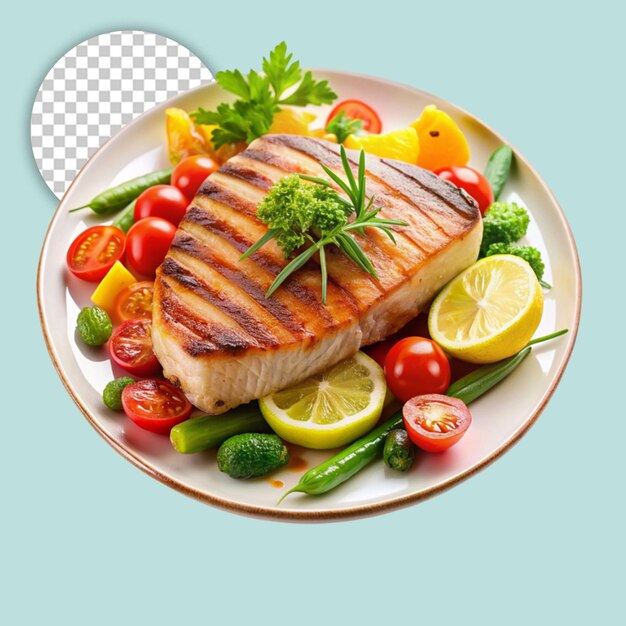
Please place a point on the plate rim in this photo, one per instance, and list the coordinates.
(319, 515)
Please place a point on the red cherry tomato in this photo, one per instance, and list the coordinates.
(165, 201)
(135, 301)
(155, 405)
(435, 422)
(416, 366)
(147, 243)
(468, 179)
(358, 110)
(131, 348)
(191, 172)
(92, 254)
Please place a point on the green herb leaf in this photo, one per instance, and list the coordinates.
(342, 127)
(259, 97)
(311, 91)
(279, 70)
(233, 81)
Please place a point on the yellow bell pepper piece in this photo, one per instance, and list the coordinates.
(291, 122)
(442, 143)
(116, 279)
(402, 144)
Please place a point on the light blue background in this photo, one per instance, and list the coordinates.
(537, 538)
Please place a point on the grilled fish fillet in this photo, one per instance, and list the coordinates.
(224, 343)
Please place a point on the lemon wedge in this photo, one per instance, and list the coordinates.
(488, 312)
(330, 409)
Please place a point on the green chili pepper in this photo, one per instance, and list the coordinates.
(478, 382)
(362, 452)
(116, 198)
(126, 218)
(348, 462)
(498, 168)
(399, 451)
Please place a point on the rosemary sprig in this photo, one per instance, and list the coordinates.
(295, 222)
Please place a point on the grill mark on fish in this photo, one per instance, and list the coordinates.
(187, 244)
(208, 337)
(216, 192)
(234, 237)
(241, 243)
(250, 176)
(174, 270)
(448, 193)
(271, 158)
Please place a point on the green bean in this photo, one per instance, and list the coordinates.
(348, 462)
(362, 452)
(481, 380)
(474, 385)
(116, 198)
(209, 431)
(498, 168)
(126, 218)
(399, 451)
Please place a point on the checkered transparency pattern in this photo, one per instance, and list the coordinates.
(98, 87)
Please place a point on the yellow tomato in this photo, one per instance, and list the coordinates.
(442, 143)
(402, 144)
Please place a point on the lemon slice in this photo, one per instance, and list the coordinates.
(330, 409)
(488, 312)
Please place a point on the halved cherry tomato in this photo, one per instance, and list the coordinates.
(134, 301)
(416, 366)
(93, 253)
(435, 422)
(470, 180)
(155, 405)
(147, 243)
(131, 348)
(358, 110)
(191, 172)
(165, 201)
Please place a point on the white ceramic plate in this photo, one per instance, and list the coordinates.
(500, 417)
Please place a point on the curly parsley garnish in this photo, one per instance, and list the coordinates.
(260, 97)
(298, 214)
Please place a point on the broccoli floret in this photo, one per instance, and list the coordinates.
(293, 207)
(531, 255)
(504, 222)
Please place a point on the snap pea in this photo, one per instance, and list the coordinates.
(498, 168)
(362, 452)
(209, 431)
(126, 218)
(116, 198)
(399, 451)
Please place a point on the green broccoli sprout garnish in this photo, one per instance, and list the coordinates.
(531, 255)
(504, 222)
(293, 207)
